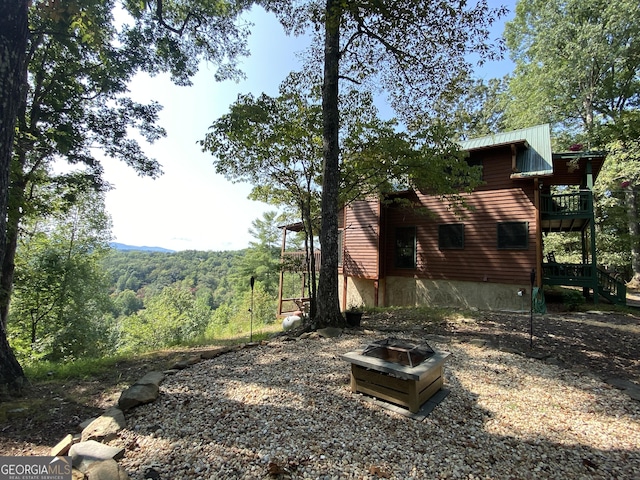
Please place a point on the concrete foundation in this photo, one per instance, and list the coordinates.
(409, 292)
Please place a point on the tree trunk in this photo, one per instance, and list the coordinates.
(328, 311)
(631, 201)
(311, 264)
(13, 77)
(14, 217)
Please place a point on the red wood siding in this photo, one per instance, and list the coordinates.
(360, 237)
(496, 168)
(480, 260)
(500, 199)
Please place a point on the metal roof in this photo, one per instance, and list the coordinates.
(533, 157)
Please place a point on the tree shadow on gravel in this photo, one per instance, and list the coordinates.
(317, 427)
(606, 344)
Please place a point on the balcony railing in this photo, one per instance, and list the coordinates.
(296, 261)
(567, 204)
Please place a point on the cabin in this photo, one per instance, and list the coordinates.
(491, 255)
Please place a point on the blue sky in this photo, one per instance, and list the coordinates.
(190, 207)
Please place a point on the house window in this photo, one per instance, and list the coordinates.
(451, 236)
(513, 235)
(406, 247)
(340, 246)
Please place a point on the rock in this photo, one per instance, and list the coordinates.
(154, 378)
(106, 470)
(630, 388)
(106, 426)
(478, 342)
(213, 353)
(145, 390)
(84, 454)
(138, 395)
(86, 423)
(185, 363)
(330, 332)
(181, 365)
(62, 447)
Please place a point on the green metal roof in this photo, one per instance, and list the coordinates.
(533, 147)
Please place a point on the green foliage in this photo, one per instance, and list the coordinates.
(578, 67)
(61, 291)
(86, 367)
(262, 259)
(147, 273)
(171, 318)
(577, 62)
(235, 317)
(475, 108)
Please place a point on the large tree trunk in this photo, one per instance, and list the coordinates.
(14, 217)
(13, 77)
(631, 201)
(328, 311)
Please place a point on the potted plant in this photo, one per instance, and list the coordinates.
(353, 315)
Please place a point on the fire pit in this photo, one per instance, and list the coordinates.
(396, 371)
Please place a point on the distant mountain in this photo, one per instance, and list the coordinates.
(122, 246)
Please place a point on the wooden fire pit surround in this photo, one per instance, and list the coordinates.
(396, 371)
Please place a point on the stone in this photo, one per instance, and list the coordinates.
(84, 454)
(138, 395)
(86, 423)
(62, 447)
(154, 378)
(213, 353)
(106, 470)
(186, 363)
(181, 365)
(330, 332)
(106, 426)
(630, 388)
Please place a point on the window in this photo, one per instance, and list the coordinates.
(513, 235)
(406, 247)
(340, 246)
(451, 236)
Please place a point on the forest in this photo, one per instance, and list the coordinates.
(74, 297)
(65, 68)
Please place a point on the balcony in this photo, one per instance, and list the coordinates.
(567, 212)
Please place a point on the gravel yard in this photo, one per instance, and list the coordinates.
(285, 410)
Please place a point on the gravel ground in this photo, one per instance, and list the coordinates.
(285, 410)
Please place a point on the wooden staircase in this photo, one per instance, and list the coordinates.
(611, 288)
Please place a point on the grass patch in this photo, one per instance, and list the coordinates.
(83, 368)
(88, 368)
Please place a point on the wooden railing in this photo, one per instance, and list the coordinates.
(296, 261)
(612, 288)
(566, 204)
(586, 276)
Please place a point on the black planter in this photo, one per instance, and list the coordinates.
(353, 318)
